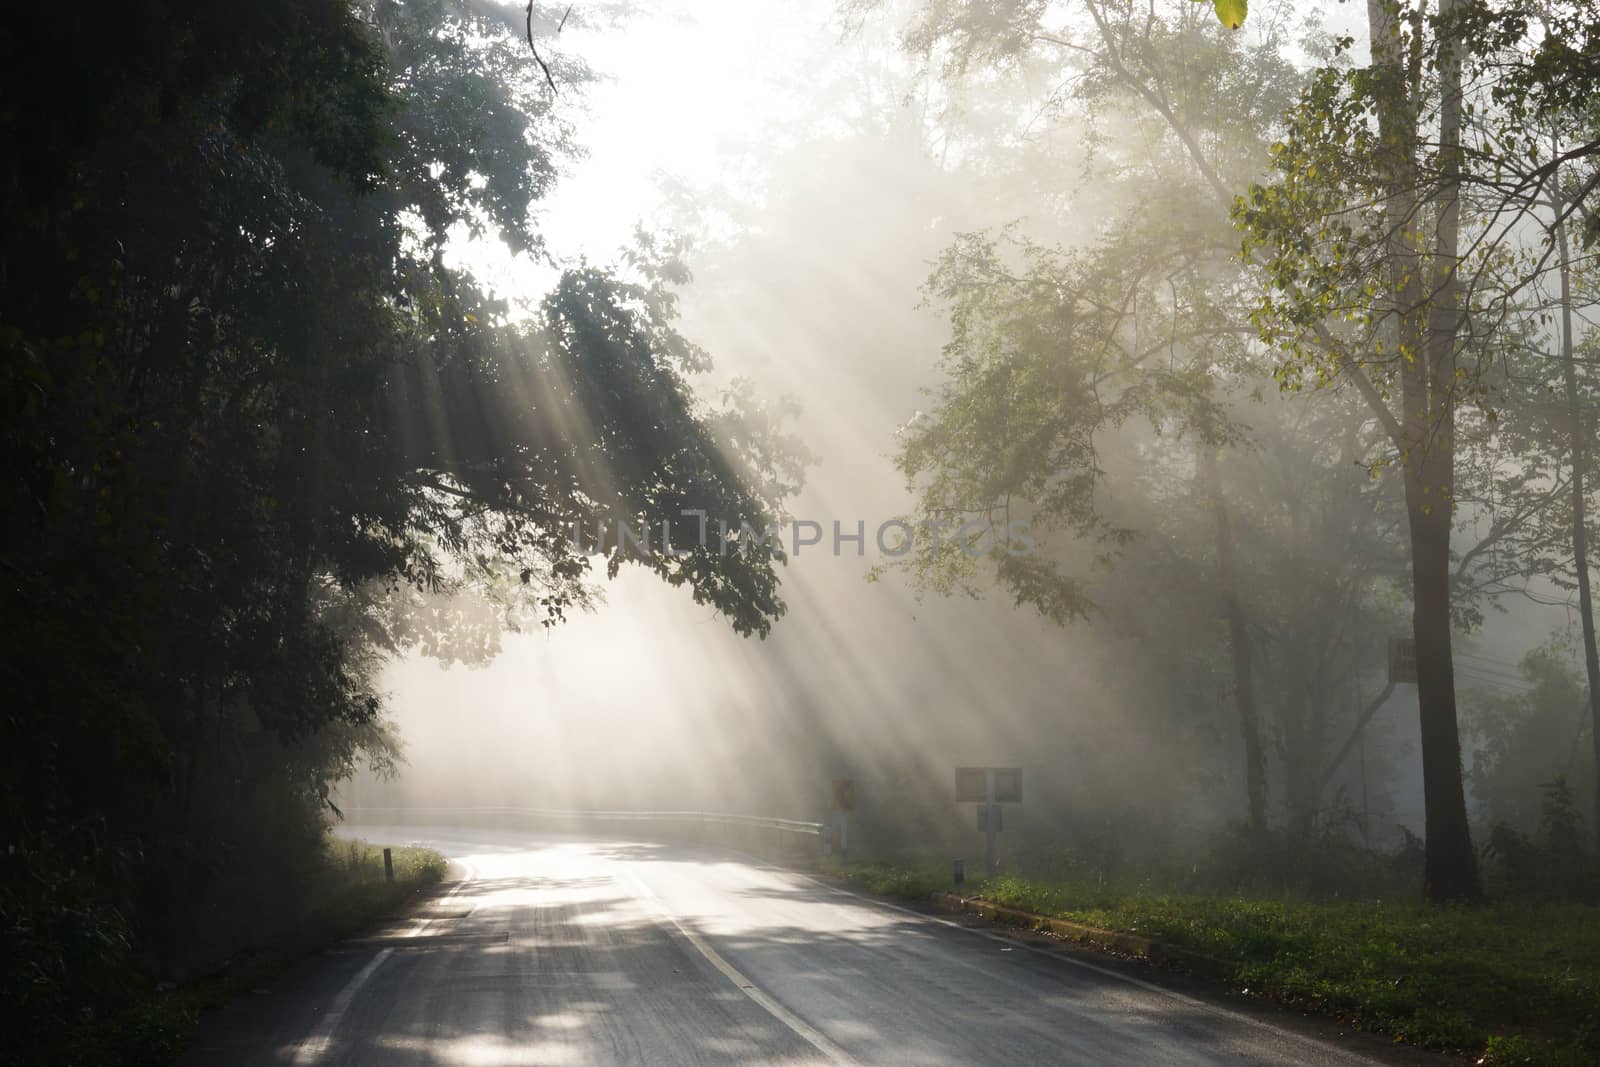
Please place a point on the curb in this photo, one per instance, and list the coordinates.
(1126, 944)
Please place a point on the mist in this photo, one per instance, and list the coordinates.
(816, 200)
(644, 465)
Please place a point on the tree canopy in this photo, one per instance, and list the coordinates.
(258, 432)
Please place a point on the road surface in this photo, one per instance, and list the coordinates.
(558, 950)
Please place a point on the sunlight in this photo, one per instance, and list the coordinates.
(1141, 455)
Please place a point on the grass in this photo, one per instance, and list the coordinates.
(1518, 982)
(349, 897)
(353, 898)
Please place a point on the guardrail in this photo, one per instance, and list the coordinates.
(791, 840)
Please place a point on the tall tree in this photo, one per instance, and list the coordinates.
(1239, 642)
(253, 416)
(1147, 312)
(1578, 431)
(1382, 280)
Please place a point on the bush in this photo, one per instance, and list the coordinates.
(1553, 864)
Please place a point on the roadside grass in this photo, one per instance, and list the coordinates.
(348, 898)
(889, 879)
(352, 899)
(1515, 981)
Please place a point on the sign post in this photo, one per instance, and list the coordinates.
(991, 787)
(991, 825)
(844, 802)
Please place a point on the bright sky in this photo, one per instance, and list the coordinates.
(680, 84)
(685, 81)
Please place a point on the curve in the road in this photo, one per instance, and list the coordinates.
(560, 950)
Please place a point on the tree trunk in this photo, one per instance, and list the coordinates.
(1428, 322)
(1305, 791)
(1451, 866)
(1580, 534)
(1426, 330)
(1255, 760)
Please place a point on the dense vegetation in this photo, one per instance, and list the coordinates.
(258, 433)
(1321, 364)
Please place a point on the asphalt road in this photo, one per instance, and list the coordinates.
(554, 950)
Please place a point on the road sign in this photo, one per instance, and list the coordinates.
(1403, 660)
(972, 785)
(990, 787)
(844, 794)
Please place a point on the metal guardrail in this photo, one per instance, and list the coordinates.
(789, 841)
(795, 826)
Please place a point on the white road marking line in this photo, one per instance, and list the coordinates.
(314, 1047)
(422, 924)
(1229, 1013)
(816, 1038)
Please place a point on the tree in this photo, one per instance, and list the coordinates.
(1527, 739)
(1402, 189)
(253, 419)
(1578, 431)
(1054, 350)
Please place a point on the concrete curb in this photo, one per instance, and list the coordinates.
(1126, 944)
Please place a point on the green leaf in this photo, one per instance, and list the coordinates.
(1231, 12)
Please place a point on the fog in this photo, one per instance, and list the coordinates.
(508, 502)
(820, 171)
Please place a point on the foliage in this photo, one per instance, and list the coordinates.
(1037, 372)
(1053, 349)
(341, 893)
(344, 895)
(1558, 863)
(1524, 741)
(913, 883)
(1061, 355)
(1386, 250)
(1514, 977)
(1231, 13)
(258, 433)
